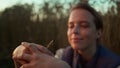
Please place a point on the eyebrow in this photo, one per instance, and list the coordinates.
(79, 22)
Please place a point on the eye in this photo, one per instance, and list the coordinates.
(84, 25)
(70, 25)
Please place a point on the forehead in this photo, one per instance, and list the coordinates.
(80, 15)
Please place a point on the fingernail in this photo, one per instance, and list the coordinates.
(22, 43)
(25, 43)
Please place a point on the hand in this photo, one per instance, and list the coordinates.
(38, 59)
(22, 50)
(17, 54)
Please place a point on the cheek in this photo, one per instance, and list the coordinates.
(88, 34)
(68, 34)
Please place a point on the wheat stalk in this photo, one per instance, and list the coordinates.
(50, 44)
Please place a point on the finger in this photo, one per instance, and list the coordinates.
(31, 47)
(17, 65)
(44, 50)
(25, 66)
(24, 57)
(21, 62)
(19, 50)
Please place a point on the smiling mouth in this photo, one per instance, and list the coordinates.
(76, 40)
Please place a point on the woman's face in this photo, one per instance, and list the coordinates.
(81, 32)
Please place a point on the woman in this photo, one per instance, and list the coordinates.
(84, 32)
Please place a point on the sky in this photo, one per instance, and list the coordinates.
(99, 5)
(8, 3)
(103, 5)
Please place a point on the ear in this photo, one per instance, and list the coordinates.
(99, 34)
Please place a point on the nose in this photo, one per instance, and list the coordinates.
(76, 30)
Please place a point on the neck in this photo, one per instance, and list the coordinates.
(88, 53)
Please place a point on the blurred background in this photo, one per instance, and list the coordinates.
(41, 21)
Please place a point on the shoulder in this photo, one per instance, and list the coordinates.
(109, 58)
(107, 53)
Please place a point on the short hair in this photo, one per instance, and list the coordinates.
(97, 18)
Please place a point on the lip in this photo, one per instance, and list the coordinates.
(76, 40)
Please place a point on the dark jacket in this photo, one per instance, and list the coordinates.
(103, 59)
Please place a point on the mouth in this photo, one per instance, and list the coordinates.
(76, 40)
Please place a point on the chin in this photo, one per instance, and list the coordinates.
(76, 47)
